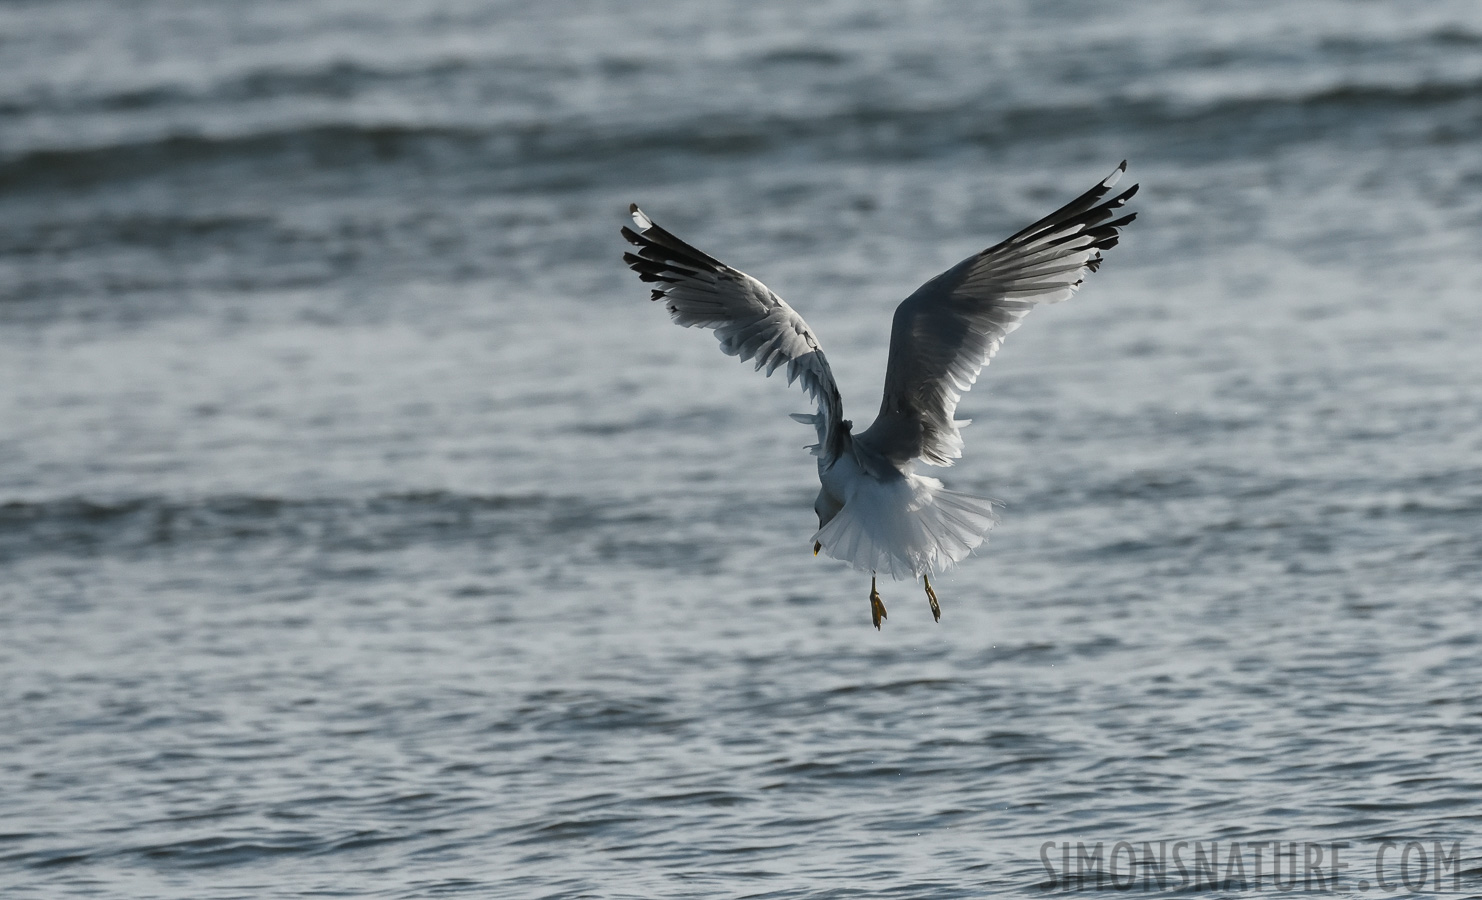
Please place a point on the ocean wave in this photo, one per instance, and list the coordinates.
(515, 153)
(326, 145)
(79, 526)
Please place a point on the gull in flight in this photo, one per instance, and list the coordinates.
(874, 511)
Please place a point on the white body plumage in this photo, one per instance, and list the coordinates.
(889, 521)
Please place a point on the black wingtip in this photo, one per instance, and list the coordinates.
(1123, 166)
(633, 207)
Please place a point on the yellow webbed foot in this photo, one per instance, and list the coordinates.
(877, 606)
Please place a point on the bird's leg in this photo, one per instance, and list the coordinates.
(931, 597)
(877, 606)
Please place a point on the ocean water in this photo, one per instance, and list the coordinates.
(366, 532)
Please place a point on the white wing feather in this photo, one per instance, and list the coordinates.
(949, 329)
(749, 320)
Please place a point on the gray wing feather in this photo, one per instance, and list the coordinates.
(946, 332)
(749, 320)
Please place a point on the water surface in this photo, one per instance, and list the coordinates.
(365, 532)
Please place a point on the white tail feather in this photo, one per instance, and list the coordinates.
(906, 527)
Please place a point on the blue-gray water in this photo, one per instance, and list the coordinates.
(365, 531)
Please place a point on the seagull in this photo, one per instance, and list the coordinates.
(874, 511)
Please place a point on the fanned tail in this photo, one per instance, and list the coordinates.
(907, 527)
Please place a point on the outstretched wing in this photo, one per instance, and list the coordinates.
(947, 331)
(749, 320)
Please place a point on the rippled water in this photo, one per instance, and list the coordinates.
(365, 532)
